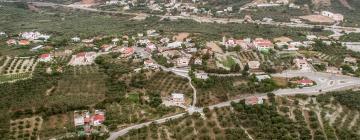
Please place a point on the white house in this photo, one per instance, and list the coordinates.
(198, 61)
(350, 60)
(263, 44)
(254, 64)
(334, 16)
(301, 63)
(333, 70)
(262, 77)
(75, 39)
(182, 62)
(311, 37)
(3, 34)
(115, 41)
(178, 98)
(34, 36)
(201, 75)
(175, 44)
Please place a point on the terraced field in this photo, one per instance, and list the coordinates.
(246, 56)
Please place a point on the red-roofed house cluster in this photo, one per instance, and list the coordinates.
(87, 123)
(83, 58)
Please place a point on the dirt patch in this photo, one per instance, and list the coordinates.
(319, 3)
(282, 39)
(181, 36)
(214, 47)
(281, 81)
(317, 19)
(345, 4)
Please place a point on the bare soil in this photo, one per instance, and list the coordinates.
(317, 19)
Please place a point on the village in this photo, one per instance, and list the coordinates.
(181, 54)
(132, 80)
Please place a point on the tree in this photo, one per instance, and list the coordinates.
(245, 70)
(155, 99)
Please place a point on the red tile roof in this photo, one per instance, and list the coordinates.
(24, 42)
(99, 117)
(305, 81)
(82, 54)
(46, 55)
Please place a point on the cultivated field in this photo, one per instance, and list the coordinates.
(26, 128)
(15, 68)
(167, 83)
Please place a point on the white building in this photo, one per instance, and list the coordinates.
(201, 75)
(350, 60)
(334, 16)
(178, 98)
(254, 100)
(333, 70)
(254, 64)
(75, 39)
(311, 37)
(301, 63)
(198, 61)
(175, 44)
(262, 77)
(182, 62)
(34, 36)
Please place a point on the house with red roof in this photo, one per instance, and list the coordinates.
(305, 82)
(244, 43)
(24, 42)
(45, 57)
(263, 44)
(98, 118)
(253, 100)
(127, 51)
(86, 122)
(11, 42)
(83, 58)
(106, 48)
(150, 64)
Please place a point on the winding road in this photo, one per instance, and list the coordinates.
(325, 82)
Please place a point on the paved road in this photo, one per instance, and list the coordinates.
(115, 135)
(325, 82)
